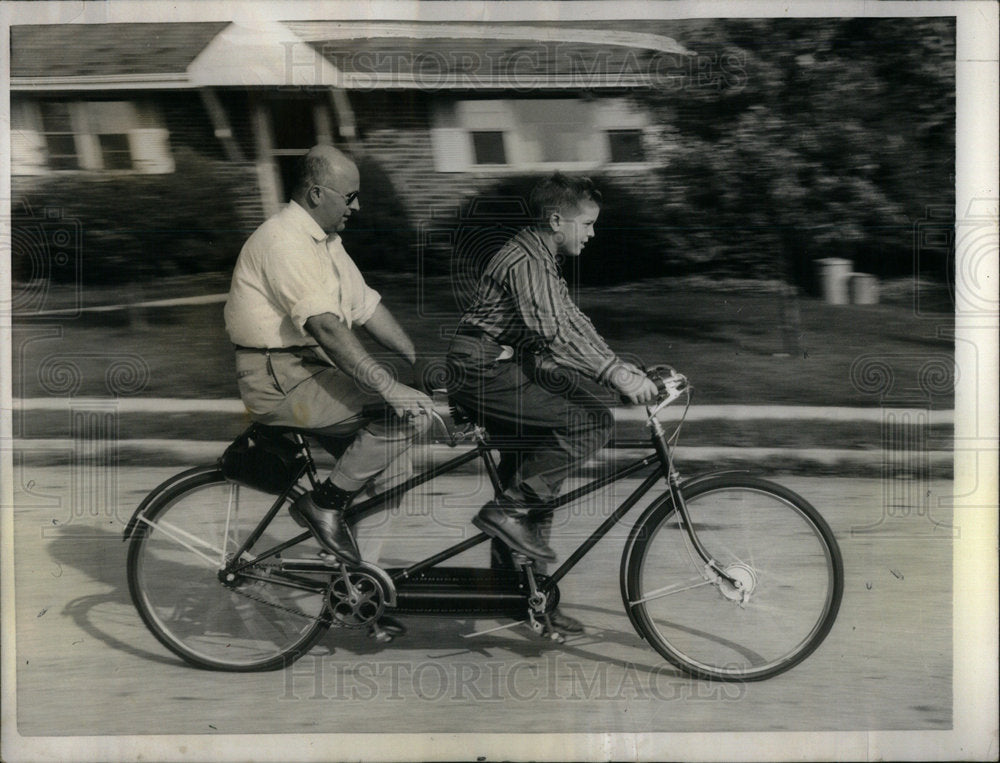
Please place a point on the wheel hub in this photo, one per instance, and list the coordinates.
(746, 582)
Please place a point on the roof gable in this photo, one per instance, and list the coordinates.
(266, 54)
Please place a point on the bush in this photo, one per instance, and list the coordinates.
(135, 227)
(634, 238)
(381, 235)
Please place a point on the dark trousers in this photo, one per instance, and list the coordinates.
(544, 421)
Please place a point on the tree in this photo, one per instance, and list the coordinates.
(834, 138)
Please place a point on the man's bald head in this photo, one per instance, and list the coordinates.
(324, 165)
(327, 187)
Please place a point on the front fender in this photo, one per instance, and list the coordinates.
(689, 482)
(640, 524)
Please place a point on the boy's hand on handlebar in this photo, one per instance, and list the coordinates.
(408, 402)
(633, 384)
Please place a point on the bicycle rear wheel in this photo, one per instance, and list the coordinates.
(768, 538)
(261, 620)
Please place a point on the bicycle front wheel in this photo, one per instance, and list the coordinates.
(777, 547)
(258, 620)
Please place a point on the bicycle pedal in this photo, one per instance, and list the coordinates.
(380, 635)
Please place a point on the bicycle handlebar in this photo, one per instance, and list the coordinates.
(670, 384)
(667, 380)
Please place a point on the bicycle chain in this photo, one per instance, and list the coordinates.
(330, 619)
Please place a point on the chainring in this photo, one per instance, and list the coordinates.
(356, 598)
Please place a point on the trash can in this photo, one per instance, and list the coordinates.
(863, 288)
(834, 273)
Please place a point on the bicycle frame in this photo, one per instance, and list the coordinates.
(662, 458)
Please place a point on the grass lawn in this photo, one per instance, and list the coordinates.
(729, 343)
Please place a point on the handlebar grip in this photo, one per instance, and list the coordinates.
(661, 385)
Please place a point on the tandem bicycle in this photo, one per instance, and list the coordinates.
(726, 575)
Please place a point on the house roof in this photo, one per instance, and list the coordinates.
(374, 54)
(107, 50)
(350, 55)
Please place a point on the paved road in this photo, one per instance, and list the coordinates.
(86, 665)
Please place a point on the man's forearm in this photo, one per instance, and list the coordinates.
(347, 352)
(385, 330)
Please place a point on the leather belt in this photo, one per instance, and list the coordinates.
(472, 332)
(506, 352)
(298, 348)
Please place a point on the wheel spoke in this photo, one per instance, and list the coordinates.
(254, 619)
(670, 590)
(188, 541)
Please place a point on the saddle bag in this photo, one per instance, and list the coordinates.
(262, 460)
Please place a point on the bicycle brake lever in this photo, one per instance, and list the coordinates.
(452, 441)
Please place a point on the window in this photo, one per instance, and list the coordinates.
(93, 135)
(487, 147)
(625, 146)
(58, 131)
(535, 134)
(115, 152)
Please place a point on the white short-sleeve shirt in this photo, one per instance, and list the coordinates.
(288, 271)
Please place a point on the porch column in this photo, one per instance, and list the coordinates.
(220, 123)
(344, 116)
(267, 169)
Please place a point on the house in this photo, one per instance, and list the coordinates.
(446, 109)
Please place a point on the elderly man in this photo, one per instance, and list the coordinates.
(295, 307)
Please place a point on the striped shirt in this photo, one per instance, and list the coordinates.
(522, 300)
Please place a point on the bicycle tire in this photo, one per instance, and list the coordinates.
(765, 535)
(174, 558)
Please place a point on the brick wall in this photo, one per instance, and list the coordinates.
(404, 150)
(188, 124)
(249, 206)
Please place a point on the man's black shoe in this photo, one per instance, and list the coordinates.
(499, 519)
(328, 526)
(565, 623)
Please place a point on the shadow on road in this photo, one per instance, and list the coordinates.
(100, 554)
(428, 634)
(111, 618)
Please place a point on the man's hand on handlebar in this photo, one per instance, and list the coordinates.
(633, 384)
(408, 402)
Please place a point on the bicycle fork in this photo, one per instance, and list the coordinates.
(732, 587)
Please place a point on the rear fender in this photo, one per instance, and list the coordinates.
(157, 491)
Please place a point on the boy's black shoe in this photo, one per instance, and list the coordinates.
(508, 520)
(565, 623)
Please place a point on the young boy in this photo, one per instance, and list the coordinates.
(527, 361)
